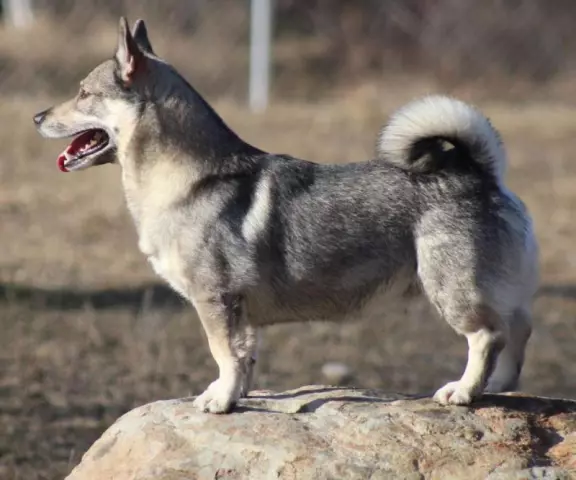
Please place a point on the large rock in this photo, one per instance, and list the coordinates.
(336, 433)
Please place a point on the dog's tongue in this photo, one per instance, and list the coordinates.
(72, 149)
(61, 161)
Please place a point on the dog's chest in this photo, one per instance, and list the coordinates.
(159, 240)
(165, 257)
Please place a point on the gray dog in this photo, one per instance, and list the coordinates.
(253, 238)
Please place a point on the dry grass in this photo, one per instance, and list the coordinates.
(87, 333)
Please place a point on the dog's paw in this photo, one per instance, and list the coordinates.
(454, 394)
(219, 397)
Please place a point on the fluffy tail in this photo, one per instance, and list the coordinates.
(415, 137)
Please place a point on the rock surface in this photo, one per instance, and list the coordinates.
(339, 433)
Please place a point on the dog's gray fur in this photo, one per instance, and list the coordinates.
(252, 238)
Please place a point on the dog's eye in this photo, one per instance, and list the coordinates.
(82, 94)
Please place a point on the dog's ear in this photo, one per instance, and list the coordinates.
(128, 54)
(140, 35)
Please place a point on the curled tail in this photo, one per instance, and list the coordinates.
(415, 137)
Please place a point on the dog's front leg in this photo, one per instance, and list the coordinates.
(246, 347)
(221, 319)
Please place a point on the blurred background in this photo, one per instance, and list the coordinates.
(88, 332)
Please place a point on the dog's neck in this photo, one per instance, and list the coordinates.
(176, 143)
(179, 123)
(187, 121)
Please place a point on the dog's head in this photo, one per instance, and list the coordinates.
(105, 110)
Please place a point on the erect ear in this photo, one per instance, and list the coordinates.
(128, 53)
(140, 35)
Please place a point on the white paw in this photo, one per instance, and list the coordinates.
(219, 397)
(454, 394)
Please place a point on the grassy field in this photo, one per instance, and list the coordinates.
(88, 332)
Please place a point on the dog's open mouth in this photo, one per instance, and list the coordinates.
(84, 151)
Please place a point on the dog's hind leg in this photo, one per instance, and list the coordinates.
(468, 274)
(450, 283)
(484, 331)
(510, 361)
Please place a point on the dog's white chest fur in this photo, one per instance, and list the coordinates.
(151, 200)
(162, 252)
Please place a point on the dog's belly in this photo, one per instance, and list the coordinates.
(266, 306)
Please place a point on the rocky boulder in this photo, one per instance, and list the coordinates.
(339, 433)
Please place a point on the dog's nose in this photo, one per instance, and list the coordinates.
(39, 117)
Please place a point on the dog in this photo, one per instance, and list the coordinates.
(252, 238)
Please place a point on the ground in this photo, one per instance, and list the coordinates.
(88, 331)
